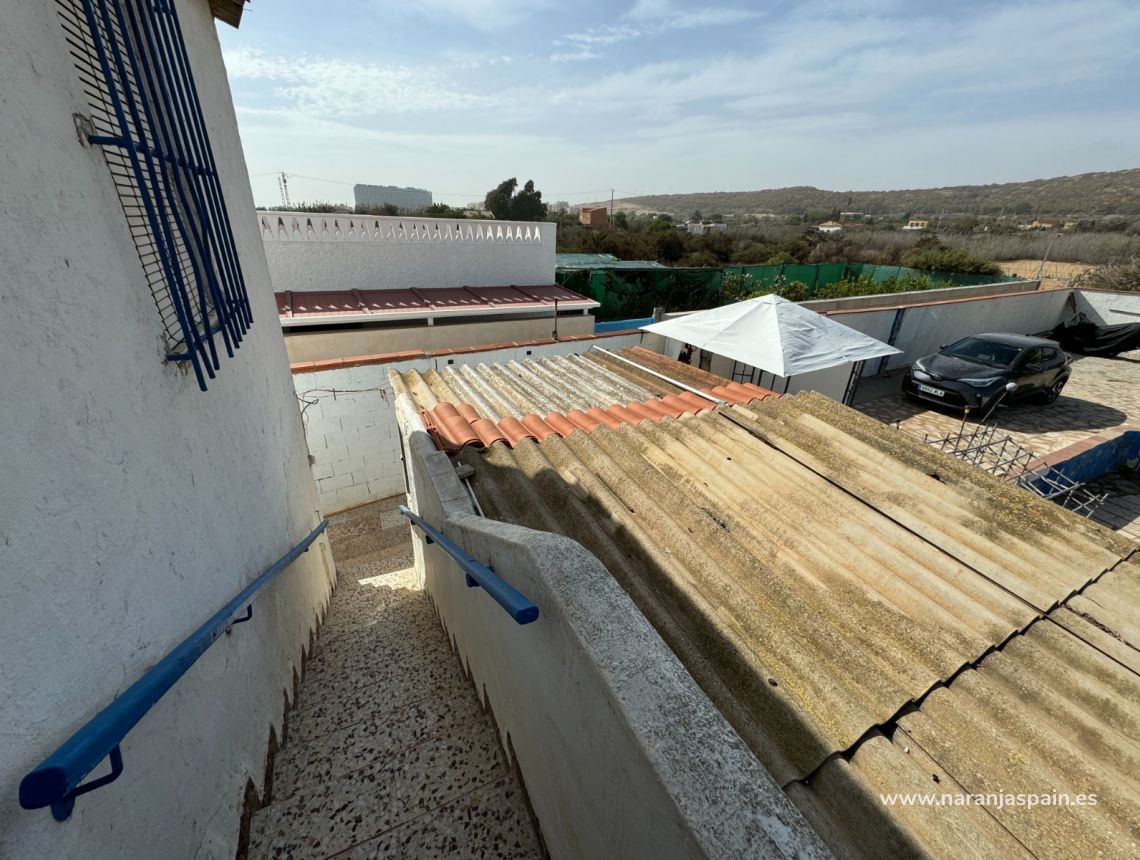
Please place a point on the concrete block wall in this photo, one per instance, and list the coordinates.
(350, 420)
(622, 754)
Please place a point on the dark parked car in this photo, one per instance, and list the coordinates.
(974, 371)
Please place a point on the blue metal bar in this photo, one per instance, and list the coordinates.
(167, 122)
(173, 94)
(218, 199)
(161, 237)
(162, 131)
(479, 574)
(146, 120)
(56, 781)
(896, 326)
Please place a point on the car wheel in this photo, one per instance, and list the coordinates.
(1054, 391)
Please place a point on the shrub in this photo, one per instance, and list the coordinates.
(941, 259)
(1115, 276)
(736, 288)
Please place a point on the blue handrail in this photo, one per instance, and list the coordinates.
(503, 593)
(55, 782)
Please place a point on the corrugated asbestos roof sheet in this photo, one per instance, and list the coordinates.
(428, 302)
(871, 615)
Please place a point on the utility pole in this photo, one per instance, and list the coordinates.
(1045, 259)
(283, 186)
(611, 204)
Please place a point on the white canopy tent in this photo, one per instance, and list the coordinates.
(774, 335)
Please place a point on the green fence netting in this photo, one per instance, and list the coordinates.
(627, 293)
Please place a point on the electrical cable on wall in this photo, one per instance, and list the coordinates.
(382, 390)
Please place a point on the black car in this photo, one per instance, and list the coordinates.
(975, 371)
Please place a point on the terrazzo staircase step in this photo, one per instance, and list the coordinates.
(325, 818)
(388, 752)
(329, 756)
(337, 709)
(491, 821)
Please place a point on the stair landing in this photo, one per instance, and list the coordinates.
(389, 752)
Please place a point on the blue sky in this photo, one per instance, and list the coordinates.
(660, 96)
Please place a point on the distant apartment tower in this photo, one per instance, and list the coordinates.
(375, 196)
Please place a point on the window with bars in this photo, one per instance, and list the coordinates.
(133, 66)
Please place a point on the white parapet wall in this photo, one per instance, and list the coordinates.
(308, 251)
(133, 505)
(622, 754)
(350, 419)
(921, 329)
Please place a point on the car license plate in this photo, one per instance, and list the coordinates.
(926, 389)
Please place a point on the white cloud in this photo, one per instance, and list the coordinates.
(329, 88)
(649, 19)
(484, 15)
(578, 56)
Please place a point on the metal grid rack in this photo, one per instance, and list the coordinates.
(981, 446)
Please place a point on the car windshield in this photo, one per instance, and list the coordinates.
(982, 351)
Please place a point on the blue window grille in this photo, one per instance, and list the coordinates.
(146, 116)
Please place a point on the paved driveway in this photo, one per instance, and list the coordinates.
(1103, 394)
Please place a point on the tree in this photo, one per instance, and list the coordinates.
(620, 220)
(669, 246)
(507, 204)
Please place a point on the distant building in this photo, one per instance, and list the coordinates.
(916, 224)
(594, 217)
(851, 216)
(376, 196)
(830, 227)
(699, 228)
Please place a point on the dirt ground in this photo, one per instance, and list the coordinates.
(1054, 276)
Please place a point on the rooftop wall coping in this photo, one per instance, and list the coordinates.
(412, 354)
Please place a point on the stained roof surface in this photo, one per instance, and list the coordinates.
(311, 306)
(871, 615)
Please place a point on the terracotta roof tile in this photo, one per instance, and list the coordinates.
(581, 420)
(537, 426)
(604, 417)
(514, 430)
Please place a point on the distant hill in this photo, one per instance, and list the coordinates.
(1089, 195)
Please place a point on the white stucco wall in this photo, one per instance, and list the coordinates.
(133, 506)
(351, 252)
(925, 328)
(350, 419)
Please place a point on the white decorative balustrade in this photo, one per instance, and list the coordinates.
(316, 227)
(309, 251)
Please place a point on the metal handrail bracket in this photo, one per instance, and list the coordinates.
(477, 573)
(56, 781)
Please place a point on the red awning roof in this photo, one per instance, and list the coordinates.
(426, 302)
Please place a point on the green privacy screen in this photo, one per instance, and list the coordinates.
(625, 292)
